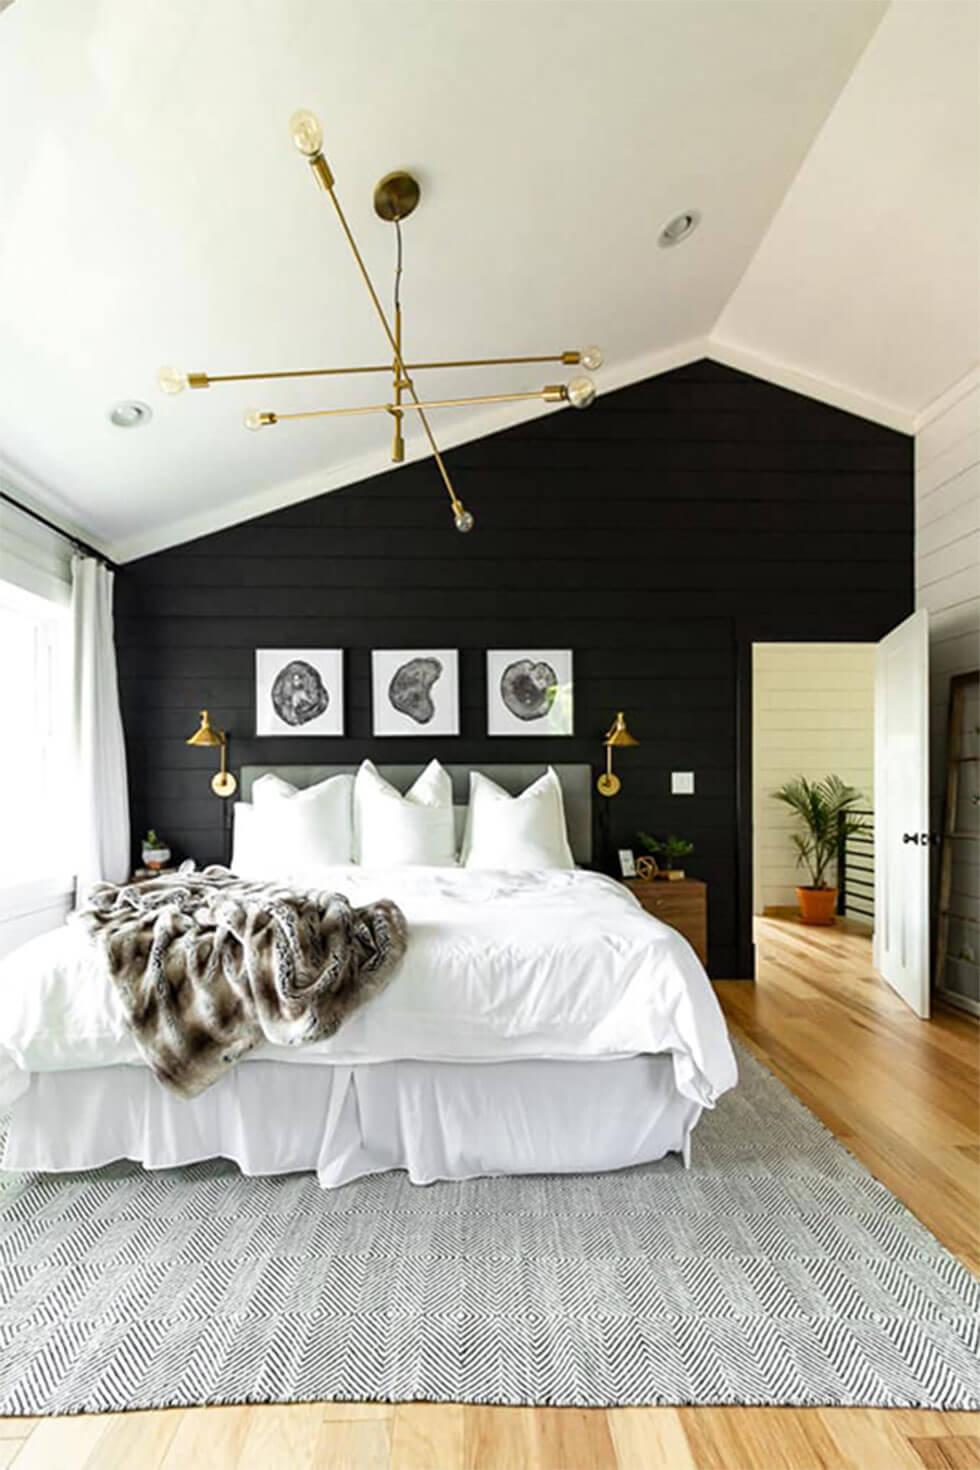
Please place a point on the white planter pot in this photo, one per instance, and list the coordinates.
(156, 857)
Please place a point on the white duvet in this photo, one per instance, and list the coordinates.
(500, 966)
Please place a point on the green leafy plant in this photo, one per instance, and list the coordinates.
(152, 840)
(826, 810)
(672, 849)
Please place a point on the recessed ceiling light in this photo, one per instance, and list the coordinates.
(130, 414)
(678, 229)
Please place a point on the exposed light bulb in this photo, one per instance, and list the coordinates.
(172, 380)
(255, 419)
(580, 392)
(591, 358)
(464, 520)
(306, 132)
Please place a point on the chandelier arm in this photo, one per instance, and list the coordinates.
(334, 413)
(205, 380)
(454, 499)
(398, 379)
(554, 393)
(338, 372)
(568, 358)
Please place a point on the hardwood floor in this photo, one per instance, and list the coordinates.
(900, 1093)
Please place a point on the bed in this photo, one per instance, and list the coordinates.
(540, 1022)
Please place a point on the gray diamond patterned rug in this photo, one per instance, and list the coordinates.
(775, 1271)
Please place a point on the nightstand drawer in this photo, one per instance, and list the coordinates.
(682, 905)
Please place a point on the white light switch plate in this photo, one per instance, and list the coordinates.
(682, 783)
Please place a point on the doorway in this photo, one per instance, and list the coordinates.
(897, 784)
(813, 715)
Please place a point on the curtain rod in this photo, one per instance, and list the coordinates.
(73, 540)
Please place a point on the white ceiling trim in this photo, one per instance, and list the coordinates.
(836, 395)
(493, 420)
(947, 400)
(464, 430)
(451, 432)
(32, 494)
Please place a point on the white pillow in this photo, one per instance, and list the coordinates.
(271, 788)
(391, 830)
(246, 855)
(516, 832)
(288, 833)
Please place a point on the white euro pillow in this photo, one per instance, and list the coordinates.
(516, 832)
(394, 831)
(288, 833)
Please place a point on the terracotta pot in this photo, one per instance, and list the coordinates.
(817, 905)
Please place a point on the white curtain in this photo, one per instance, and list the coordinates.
(102, 820)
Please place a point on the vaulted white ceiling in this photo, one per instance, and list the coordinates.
(868, 275)
(154, 211)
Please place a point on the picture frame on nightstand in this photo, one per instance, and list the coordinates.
(627, 863)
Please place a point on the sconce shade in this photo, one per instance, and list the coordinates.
(206, 734)
(618, 734)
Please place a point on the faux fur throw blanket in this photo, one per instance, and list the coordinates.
(207, 966)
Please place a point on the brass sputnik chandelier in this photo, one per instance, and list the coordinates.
(395, 197)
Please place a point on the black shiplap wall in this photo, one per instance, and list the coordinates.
(655, 535)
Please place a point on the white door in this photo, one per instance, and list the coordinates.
(901, 787)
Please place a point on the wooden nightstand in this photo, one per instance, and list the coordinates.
(683, 905)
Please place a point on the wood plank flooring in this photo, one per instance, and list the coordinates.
(902, 1094)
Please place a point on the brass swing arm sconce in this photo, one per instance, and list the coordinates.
(395, 198)
(617, 735)
(224, 783)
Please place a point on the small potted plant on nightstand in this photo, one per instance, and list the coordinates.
(672, 851)
(826, 813)
(156, 853)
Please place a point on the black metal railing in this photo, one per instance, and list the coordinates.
(856, 869)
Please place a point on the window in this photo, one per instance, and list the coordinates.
(35, 747)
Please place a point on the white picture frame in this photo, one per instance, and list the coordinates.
(299, 691)
(520, 700)
(627, 863)
(415, 691)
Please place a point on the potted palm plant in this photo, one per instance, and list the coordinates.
(826, 811)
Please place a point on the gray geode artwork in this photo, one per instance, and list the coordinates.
(529, 692)
(299, 695)
(415, 691)
(299, 691)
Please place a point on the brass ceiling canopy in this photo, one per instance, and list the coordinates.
(396, 196)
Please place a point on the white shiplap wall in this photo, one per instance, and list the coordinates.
(812, 714)
(947, 575)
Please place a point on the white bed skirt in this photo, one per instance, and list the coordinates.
(438, 1120)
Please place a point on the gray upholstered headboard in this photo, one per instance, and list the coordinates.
(576, 785)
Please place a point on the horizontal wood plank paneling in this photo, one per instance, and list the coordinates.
(648, 535)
